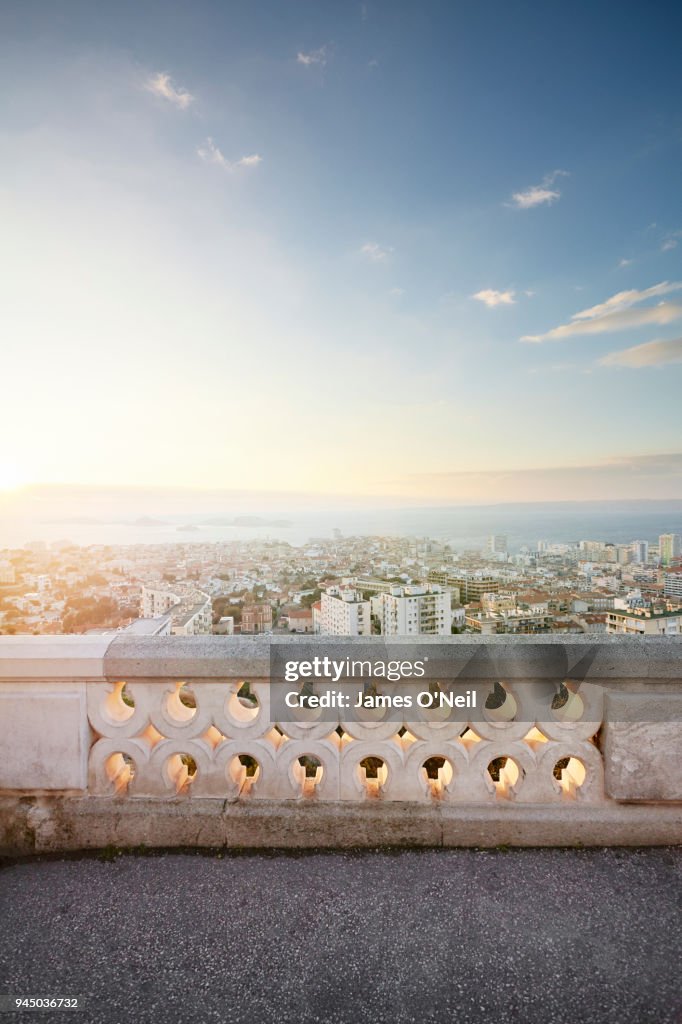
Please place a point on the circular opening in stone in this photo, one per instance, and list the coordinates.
(500, 704)
(181, 704)
(244, 770)
(567, 705)
(120, 703)
(373, 774)
(308, 771)
(243, 705)
(182, 771)
(438, 774)
(504, 774)
(570, 773)
(120, 769)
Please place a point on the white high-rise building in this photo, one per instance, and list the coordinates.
(672, 584)
(640, 551)
(343, 612)
(497, 543)
(412, 610)
(670, 546)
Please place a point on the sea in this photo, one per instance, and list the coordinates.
(461, 526)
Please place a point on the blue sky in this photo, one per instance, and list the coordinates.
(296, 246)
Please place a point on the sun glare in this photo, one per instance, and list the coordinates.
(10, 477)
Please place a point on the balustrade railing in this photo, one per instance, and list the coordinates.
(190, 720)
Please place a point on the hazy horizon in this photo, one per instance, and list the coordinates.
(164, 515)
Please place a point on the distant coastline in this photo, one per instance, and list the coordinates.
(463, 526)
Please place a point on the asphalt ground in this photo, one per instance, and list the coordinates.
(548, 936)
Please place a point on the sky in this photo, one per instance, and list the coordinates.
(422, 252)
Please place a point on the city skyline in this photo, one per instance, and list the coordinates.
(365, 250)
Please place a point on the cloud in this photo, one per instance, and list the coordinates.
(625, 263)
(538, 195)
(651, 353)
(491, 297)
(376, 253)
(664, 313)
(670, 240)
(616, 314)
(313, 57)
(161, 84)
(249, 161)
(621, 300)
(211, 154)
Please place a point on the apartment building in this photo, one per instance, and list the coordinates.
(644, 622)
(640, 551)
(670, 547)
(344, 612)
(257, 618)
(156, 601)
(190, 609)
(509, 621)
(672, 584)
(414, 611)
(592, 601)
(497, 543)
(465, 587)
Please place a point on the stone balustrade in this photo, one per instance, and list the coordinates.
(171, 741)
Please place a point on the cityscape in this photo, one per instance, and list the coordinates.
(344, 585)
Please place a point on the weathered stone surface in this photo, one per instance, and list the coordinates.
(44, 741)
(642, 746)
(52, 657)
(163, 773)
(48, 825)
(611, 657)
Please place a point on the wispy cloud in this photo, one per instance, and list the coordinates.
(491, 297)
(631, 297)
(211, 154)
(376, 253)
(616, 314)
(161, 84)
(249, 161)
(313, 57)
(539, 195)
(625, 263)
(651, 353)
(670, 243)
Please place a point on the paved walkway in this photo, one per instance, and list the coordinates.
(546, 936)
